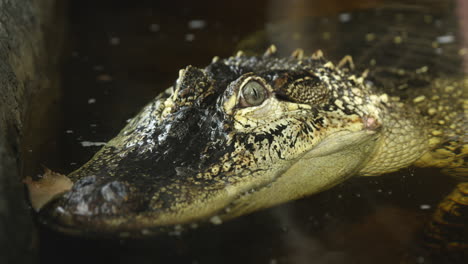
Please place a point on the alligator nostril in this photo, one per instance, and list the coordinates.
(214, 125)
(114, 192)
(86, 181)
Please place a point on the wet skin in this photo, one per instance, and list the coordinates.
(247, 133)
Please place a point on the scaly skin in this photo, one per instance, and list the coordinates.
(447, 234)
(199, 152)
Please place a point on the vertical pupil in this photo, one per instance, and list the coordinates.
(254, 93)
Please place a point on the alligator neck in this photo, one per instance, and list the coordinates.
(445, 110)
(424, 127)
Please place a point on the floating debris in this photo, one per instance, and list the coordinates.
(104, 78)
(425, 207)
(114, 41)
(216, 220)
(446, 39)
(154, 27)
(196, 24)
(344, 17)
(397, 40)
(49, 186)
(189, 37)
(92, 144)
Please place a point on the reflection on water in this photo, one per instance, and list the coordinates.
(122, 55)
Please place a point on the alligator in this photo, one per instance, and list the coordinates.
(253, 131)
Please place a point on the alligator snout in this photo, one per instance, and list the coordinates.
(92, 196)
(148, 176)
(92, 200)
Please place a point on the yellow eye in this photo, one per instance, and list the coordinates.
(253, 93)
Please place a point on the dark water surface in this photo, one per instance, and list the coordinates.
(123, 53)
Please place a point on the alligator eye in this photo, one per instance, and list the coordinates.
(253, 93)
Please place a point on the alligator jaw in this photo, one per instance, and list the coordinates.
(319, 169)
(310, 173)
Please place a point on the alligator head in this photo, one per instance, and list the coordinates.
(244, 133)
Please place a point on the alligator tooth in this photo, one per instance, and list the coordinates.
(270, 50)
(239, 54)
(298, 54)
(346, 63)
(317, 55)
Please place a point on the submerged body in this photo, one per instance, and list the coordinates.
(250, 132)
